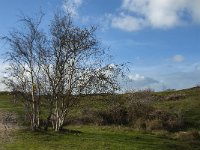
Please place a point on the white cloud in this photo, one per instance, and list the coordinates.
(140, 80)
(72, 6)
(136, 77)
(137, 81)
(163, 14)
(128, 23)
(4, 66)
(178, 58)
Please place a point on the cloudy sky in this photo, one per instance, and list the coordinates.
(159, 38)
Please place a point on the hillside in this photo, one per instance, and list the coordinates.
(84, 131)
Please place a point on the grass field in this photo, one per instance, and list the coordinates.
(188, 106)
(93, 137)
(90, 137)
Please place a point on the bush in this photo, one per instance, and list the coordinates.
(143, 96)
(140, 124)
(175, 97)
(168, 120)
(154, 125)
(137, 110)
(116, 114)
(139, 105)
(188, 136)
(88, 116)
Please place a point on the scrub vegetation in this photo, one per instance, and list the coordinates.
(134, 120)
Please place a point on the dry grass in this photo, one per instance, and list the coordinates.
(188, 136)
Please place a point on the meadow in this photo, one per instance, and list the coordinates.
(89, 135)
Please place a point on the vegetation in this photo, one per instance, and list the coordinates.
(84, 134)
(61, 81)
(95, 137)
(54, 69)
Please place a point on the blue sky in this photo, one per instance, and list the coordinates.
(160, 38)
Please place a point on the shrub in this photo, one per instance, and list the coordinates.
(188, 136)
(154, 125)
(137, 110)
(169, 121)
(175, 96)
(140, 124)
(116, 114)
(142, 96)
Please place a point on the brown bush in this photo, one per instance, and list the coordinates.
(86, 116)
(175, 96)
(188, 136)
(137, 110)
(169, 121)
(140, 124)
(154, 125)
(116, 114)
(142, 96)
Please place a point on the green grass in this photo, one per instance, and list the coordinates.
(6, 104)
(189, 107)
(108, 137)
(94, 137)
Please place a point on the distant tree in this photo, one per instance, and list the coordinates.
(59, 67)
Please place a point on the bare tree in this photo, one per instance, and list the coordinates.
(74, 66)
(58, 67)
(23, 74)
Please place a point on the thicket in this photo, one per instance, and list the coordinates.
(134, 109)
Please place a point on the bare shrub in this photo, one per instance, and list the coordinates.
(142, 96)
(154, 125)
(88, 116)
(188, 136)
(116, 114)
(175, 96)
(169, 121)
(143, 115)
(139, 104)
(140, 124)
(8, 123)
(138, 110)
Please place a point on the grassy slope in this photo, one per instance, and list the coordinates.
(6, 104)
(95, 137)
(189, 106)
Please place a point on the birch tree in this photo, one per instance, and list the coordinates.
(57, 67)
(23, 74)
(74, 65)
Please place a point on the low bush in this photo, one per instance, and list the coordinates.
(188, 136)
(154, 125)
(175, 97)
(143, 96)
(136, 111)
(168, 121)
(140, 124)
(116, 114)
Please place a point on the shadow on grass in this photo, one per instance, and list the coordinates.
(68, 131)
(53, 133)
